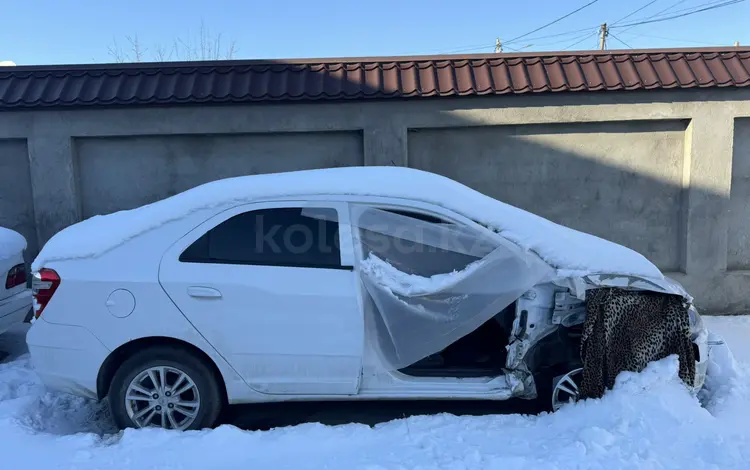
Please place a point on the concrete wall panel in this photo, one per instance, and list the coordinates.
(620, 181)
(16, 203)
(738, 242)
(118, 173)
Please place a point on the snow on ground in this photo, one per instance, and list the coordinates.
(735, 330)
(649, 421)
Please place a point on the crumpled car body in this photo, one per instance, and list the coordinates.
(552, 307)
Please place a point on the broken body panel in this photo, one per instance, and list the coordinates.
(546, 308)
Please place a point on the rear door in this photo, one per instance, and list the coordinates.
(272, 287)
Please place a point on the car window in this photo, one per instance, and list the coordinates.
(288, 236)
(433, 219)
(406, 240)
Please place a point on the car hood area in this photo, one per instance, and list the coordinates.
(665, 285)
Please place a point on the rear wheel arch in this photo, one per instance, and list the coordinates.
(122, 353)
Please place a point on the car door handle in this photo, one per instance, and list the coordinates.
(203, 292)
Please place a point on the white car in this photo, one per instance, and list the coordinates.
(339, 284)
(15, 296)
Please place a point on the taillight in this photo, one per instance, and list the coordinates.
(16, 276)
(43, 285)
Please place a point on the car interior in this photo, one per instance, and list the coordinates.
(481, 353)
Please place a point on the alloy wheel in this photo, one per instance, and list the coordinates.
(164, 397)
(567, 389)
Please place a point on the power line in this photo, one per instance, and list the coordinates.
(584, 39)
(678, 2)
(552, 22)
(658, 20)
(637, 35)
(566, 33)
(505, 43)
(571, 32)
(635, 11)
(658, 15)
(584, 36)
(713, 2)
(621, 41)
(647, 20)
(466, 49)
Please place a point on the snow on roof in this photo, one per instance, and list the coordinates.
(11, 243)
(571, 252)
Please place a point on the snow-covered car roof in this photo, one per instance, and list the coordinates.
(11, 243)
(571, 252)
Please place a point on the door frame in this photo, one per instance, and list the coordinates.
(379, 382)
(346, 249)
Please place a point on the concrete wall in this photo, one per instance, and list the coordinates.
(600, 178)
(666, 173)
(111, 173)
(16, 205)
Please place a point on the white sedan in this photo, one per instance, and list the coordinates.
(15, 297)
(340, 284)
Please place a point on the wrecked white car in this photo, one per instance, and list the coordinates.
(344, 284)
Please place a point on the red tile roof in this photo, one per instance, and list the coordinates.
(370, 78)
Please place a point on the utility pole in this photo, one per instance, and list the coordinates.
(498, 46)
(603, 33)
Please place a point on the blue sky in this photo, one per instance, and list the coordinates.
(80, 31)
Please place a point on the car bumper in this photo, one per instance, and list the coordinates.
(66, 358)
(14, 309)
(701, 363)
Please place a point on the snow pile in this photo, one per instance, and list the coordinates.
(735, 330)
(11, 243)
(726, 393)
(570, 251)
(24, 398)
(648, 421)
(401, 283)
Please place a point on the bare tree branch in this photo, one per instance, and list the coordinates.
(231, 50)
(203, 46)
(115, 51)
(135, 45)
(161, 54)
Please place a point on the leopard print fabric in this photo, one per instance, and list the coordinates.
(625, 330)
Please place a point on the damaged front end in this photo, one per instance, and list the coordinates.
(546, 334)
(428, 283)
(547, 331)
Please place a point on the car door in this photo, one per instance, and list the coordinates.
(272, 286)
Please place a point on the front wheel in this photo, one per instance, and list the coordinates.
(566, 388)
(165, 387)
(558, 387)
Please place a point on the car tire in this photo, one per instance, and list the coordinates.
(173, 361)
